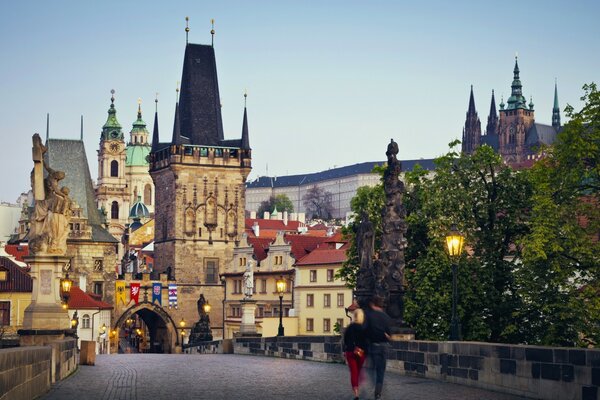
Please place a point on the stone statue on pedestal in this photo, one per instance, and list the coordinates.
(248, 280)
(49, 227)
(201, 330)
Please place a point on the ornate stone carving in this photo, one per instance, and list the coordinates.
(248, 280)
(49, 226)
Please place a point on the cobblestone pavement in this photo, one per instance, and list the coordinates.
(240, 377)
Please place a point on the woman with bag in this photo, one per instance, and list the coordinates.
(355, 345)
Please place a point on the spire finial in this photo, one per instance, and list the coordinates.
(139, 107)
(177, 91)
(156, 103)
(212, 32)
(245, 97)
(47, 127)
(187, 29)
(112, 96)
(81, 134)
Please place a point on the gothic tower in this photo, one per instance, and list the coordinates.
(515, 121)
(200, 185)
(111, 190)
(492, 121)
(471, 138)
(556, 110)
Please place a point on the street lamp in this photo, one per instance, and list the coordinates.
(206, 307)
(182, 326)
(281, 286)
(454, 243)
(65, 287)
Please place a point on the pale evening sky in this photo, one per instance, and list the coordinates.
(329, 83)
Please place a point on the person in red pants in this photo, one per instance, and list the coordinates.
(355, 345)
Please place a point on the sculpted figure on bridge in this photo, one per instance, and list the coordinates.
(249, 280)
(52, 209)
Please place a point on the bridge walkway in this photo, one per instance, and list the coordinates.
(239, 377)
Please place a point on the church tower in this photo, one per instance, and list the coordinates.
(139, 181)
(200, 186)
(471, 138)
(515, 121)
(111, 190)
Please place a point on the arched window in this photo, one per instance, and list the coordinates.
(148, 194)
(85, 321)
(114, 168)
(114, 210)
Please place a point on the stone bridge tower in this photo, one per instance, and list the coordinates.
(199, 178)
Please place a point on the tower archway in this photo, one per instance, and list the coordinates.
(146, 327)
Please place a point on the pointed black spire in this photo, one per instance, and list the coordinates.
(471, 137)
(492, 121)
(176, 127)
(471, 102)
(245, 137)
(556, 109)
(155, 135)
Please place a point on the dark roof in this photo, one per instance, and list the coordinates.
(540, 134)
(69, 156)
(18, 280)
(491, 140)
(335, 173)
(199, 103)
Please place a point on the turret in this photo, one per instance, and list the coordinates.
(556, 109)
(492, 121)
(112, 129)
(139, 133)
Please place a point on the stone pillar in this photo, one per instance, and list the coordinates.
(248, 325)
(44, 319)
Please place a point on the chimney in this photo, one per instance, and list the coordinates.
(302, 217)
(285, 218)
(267, 215)
(252, 214)
(256, 229)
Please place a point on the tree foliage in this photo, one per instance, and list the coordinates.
(531, 269)
(281, 201)
(318, 203)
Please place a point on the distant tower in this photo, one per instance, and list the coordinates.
(139, 181)
(515, 121)
(111, 190)
(492, 121)
(556, 110)
(471, 138)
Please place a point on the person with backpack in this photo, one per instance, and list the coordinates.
(355, 346)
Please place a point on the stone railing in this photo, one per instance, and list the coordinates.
(28, 372)
(212, 347)
(530, 371)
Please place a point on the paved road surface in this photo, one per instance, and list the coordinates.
(239, 377)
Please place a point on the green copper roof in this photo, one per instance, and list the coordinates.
(516, 99)
(112, 129)
(137, 155)
(139, 126)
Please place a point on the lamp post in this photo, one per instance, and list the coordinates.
(182, 327)
(454, 244)
(65, 287)
(281, 286)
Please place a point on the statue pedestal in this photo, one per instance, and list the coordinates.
(248, 325)
(44, 319)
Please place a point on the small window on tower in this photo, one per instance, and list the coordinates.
(114, 168)
(114, 210)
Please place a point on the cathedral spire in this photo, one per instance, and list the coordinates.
(155, 134)
(245, 136)
(471, 137)
(492, 121)
(516, 99)
(556, 109)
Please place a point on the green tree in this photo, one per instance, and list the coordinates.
(281, 201)
(560, 278)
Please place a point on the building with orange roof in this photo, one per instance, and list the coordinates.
(16, 287)
(94, 316)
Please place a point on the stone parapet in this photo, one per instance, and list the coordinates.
(25, 373)
(312, 348)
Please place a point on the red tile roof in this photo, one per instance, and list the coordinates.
(323, 256)
(18, 251)
(78, 299)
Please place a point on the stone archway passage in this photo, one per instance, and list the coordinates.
(146, 327)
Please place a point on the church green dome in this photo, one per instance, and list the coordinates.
(137, 155)
(139, 210)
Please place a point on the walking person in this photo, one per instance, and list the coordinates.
(355, 346)
(377, 331)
